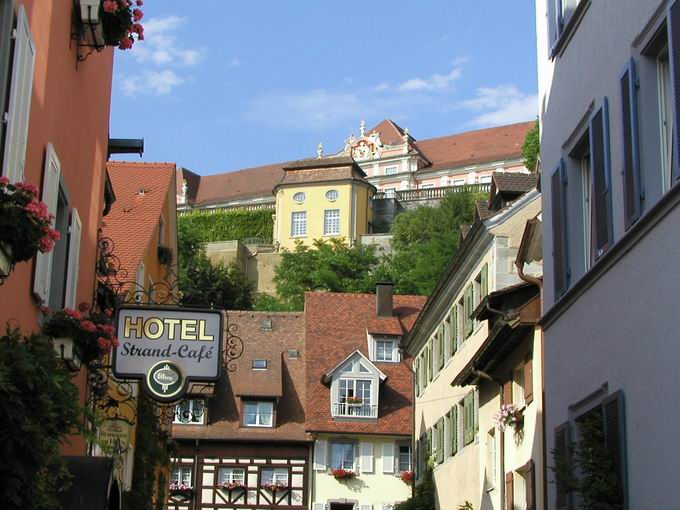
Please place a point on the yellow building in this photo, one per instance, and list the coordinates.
(322, 198)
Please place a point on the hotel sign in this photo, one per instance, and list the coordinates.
(168, 347)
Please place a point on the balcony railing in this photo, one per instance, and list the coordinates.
(408, 195)
(355, 410)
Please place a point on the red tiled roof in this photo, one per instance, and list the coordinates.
(475, 147)
(383, 325)
(334, 329)
(390, 132)
(133, 219)
(249, 182)
(288, 332)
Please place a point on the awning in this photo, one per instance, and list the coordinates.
(93, 486)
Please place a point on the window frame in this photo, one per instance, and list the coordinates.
(335, 222)
(343, 465)
(182, 469)
(230, 478)
(302, 196)
(394, 357)
(329, 194)
(276, 471)
(409, 454)
(258, 414)
(298, 221)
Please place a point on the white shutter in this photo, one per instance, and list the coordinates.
(319, 506)
(50, 195)
(366, 506)
(320, 448)
(73, 267)
(19, 108)
(366, 457)
(388, 457)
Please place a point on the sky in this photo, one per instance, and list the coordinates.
(221, 85)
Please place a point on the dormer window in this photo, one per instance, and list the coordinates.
(258, 414)
(354, 388)
(259, 364)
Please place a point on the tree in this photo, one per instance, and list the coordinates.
(329, 265)
(531, 148)
(207, 284)
(424, 241)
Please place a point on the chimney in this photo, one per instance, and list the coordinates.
(383, 299)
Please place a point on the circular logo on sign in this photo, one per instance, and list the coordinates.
(165, 379)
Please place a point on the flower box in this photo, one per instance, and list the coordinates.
(5, 259)
(68, 352)
(343, 474)
(354, 400)
(275, 486)
(232, 486)
(180, 491)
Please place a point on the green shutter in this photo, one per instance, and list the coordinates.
(454, 430)
(485, 281)
(418, 377)
(440, 441)
(468, 418)
(454, 333)
(442, 346)
(468, 311)
(429, 445)
(430, 366)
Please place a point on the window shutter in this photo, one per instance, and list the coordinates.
(6, 44)
(19, 108)
(454, 330)
(632, 186)
(558, 184)
(366, 457)
(50, 195)
(468, 311)
(599, 162)
(531, 486)
(485, 281)
(73, 266)
(441, 339)
(429, 444)
(440, 440)
(320, 451)
(468, 420)
(614, 435)
(528, 379)
(674, 45)
(507, 391)
(430, 365)
(454, 430)
(562, 462)
(509, 492)
(366, 506)
(417, 376)
(388, 458)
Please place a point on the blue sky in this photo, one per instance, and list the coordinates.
(221, 85)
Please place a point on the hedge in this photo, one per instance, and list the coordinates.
(229, 225)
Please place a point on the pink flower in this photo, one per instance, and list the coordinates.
(4, 180)
(137, 14)
(28, 188)
(54, 234)
(115, 341)
(89, 326)
(137, 28)
(73, 313)
(110, 6)
(139, 3)
(104, 343)
(126, 43)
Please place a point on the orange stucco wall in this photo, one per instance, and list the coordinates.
(69, 108)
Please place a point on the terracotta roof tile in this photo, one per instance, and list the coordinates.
(383, 325)
(246, 183)
(390, 132)
(334, 329)
(514, 182)
(475, 147)
(336, 173)
(134, 216)
(288, 332)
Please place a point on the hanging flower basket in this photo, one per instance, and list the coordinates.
(181, 491)
(275, 486)
(509, 415)
(121, 22)
(407, 477)
(343, 474)
(25, 224)
(92, 333)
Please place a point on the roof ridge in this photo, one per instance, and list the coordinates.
(461, 133)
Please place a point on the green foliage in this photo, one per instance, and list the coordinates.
(424, 498)
(203, 283)
(227, 225)
(424, 241)
(466, 506)
(329, 265)
(39, 406)
(591, 474)
(269, 303)
(151, 454)
(531, 148)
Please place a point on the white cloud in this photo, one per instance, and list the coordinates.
(381, 87)
(159, 83)
(234, 62)
(499, 105)
(436, 82)
(160, 45)
(313, 109)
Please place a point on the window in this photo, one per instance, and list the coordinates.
(181, 475)
(491, 459)
(390, 170)
(354, 398)
(342, 456)
(331, 224)
(190, 412)
(161, 231)
(259, 364)
(518, 385)
(405, 462)
(258, 414)
(231, 475)
(274, 475)
(59, 255)
(386, 351)
(332, 195)
(299, 197)
(467, 310)
(299, 224)
(453, 430)
(485, 179)
(586, 180)
(665, 91)
(459, 182)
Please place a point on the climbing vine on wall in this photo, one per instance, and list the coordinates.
(228, 225)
